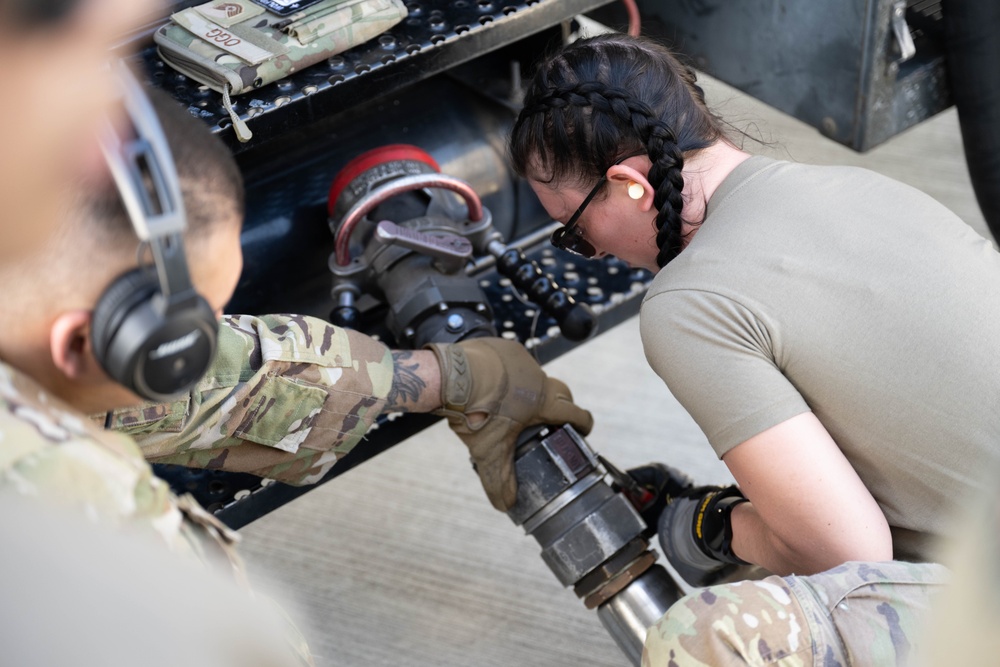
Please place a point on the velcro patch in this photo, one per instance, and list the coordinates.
(222, 38)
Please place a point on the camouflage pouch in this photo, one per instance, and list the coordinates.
(234, 46)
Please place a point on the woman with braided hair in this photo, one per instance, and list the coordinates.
(828, 328)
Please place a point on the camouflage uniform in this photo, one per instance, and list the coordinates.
(286, 397)
(51, 453)
(855, 614)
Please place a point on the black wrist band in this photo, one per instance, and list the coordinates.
(713, 529)
(725, 506)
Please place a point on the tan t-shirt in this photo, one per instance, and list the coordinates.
(843, 292)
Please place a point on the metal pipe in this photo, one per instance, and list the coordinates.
(629, 614)
(497, 247)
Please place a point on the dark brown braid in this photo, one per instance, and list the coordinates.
(605, 97)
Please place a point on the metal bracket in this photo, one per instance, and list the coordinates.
(902, 32)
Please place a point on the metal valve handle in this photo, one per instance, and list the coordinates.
(451, 250)
(369, 202)
(576, 320)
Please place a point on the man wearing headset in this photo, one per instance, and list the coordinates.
(155, 334)
(107, 314)
(86, 593)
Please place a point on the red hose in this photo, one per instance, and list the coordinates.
(634, 20)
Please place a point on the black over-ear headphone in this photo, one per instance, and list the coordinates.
(151, 330)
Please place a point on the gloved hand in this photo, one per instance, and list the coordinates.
(654, 486)
(500, 380)
(696, 533)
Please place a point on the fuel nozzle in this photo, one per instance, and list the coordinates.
(592, 536)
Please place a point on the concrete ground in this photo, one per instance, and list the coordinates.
(403, 562)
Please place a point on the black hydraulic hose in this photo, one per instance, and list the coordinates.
(972, 40)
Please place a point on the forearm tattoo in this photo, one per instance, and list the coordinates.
(407, 385)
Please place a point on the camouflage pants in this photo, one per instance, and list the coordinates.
(855, 614)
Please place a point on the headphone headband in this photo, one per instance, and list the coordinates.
(144, 171)
(155, 336)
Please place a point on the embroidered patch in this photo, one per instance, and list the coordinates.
(229, 10)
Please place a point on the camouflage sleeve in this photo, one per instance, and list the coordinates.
(286, 397)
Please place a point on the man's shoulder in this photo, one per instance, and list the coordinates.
(50, 452)
(41, 420)
(48, 448)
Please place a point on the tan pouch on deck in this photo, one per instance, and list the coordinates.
(234, 46)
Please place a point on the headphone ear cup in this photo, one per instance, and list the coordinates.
(121, 296)
(153, 354)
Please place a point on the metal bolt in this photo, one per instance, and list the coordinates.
(455, 323)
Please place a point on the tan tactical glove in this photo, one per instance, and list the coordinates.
(500, 380)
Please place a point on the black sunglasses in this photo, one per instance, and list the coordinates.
(569, 237)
